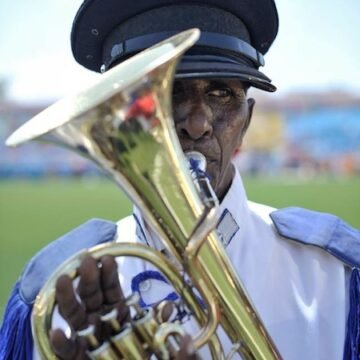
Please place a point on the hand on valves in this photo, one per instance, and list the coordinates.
(98, 313)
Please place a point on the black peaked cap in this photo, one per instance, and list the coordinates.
(235, 34)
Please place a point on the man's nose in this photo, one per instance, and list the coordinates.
(196, 124)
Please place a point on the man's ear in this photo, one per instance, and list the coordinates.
(251, 104)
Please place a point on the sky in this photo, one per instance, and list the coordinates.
(318, 47)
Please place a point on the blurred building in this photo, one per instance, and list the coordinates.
(300, 133)
(304, 134)
(34, 159)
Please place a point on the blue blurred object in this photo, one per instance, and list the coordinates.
(325, 132)
(317, 140)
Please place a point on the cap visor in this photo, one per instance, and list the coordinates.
(188, 69)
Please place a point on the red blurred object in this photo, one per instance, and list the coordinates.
(144, 106)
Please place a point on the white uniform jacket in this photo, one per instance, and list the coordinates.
(301, 292)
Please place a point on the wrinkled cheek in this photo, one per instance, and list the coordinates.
(213, 183)
(214, 172)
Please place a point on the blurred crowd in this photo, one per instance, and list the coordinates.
(303, 135)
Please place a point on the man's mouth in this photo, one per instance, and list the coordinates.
(210, 162)
(210, 158)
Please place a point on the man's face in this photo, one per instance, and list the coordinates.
(212, 116)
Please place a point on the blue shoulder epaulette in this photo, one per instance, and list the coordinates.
(15, 334)
(319, 229)
(332, 234)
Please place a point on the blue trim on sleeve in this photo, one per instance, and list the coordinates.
(352, 341)
(44, 263)
(323, 230)
(15, 334)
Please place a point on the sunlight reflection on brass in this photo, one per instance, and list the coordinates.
(127, 129)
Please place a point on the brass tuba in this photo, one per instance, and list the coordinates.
(124, 124)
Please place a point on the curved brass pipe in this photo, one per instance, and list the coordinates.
(124, 124)
(45, 301)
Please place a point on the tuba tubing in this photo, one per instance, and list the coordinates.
(124, 124)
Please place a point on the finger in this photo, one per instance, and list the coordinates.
(63, 347)
(110, 281)
(123, 313)
(89, 288)
(113, 294)
(70, 309)
(187, 350)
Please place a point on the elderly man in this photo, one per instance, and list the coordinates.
(295, 264)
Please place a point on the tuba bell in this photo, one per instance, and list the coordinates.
(124, 124)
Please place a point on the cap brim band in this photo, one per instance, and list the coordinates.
(188, 69)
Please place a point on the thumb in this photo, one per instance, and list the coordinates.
(187, 350)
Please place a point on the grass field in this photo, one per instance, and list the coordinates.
(34, 213)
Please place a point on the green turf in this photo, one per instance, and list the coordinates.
(339, 196)
(34, 213)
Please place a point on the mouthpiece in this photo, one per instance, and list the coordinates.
(197, 167)
(196, 161)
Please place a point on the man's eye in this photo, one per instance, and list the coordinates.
(220, 93)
